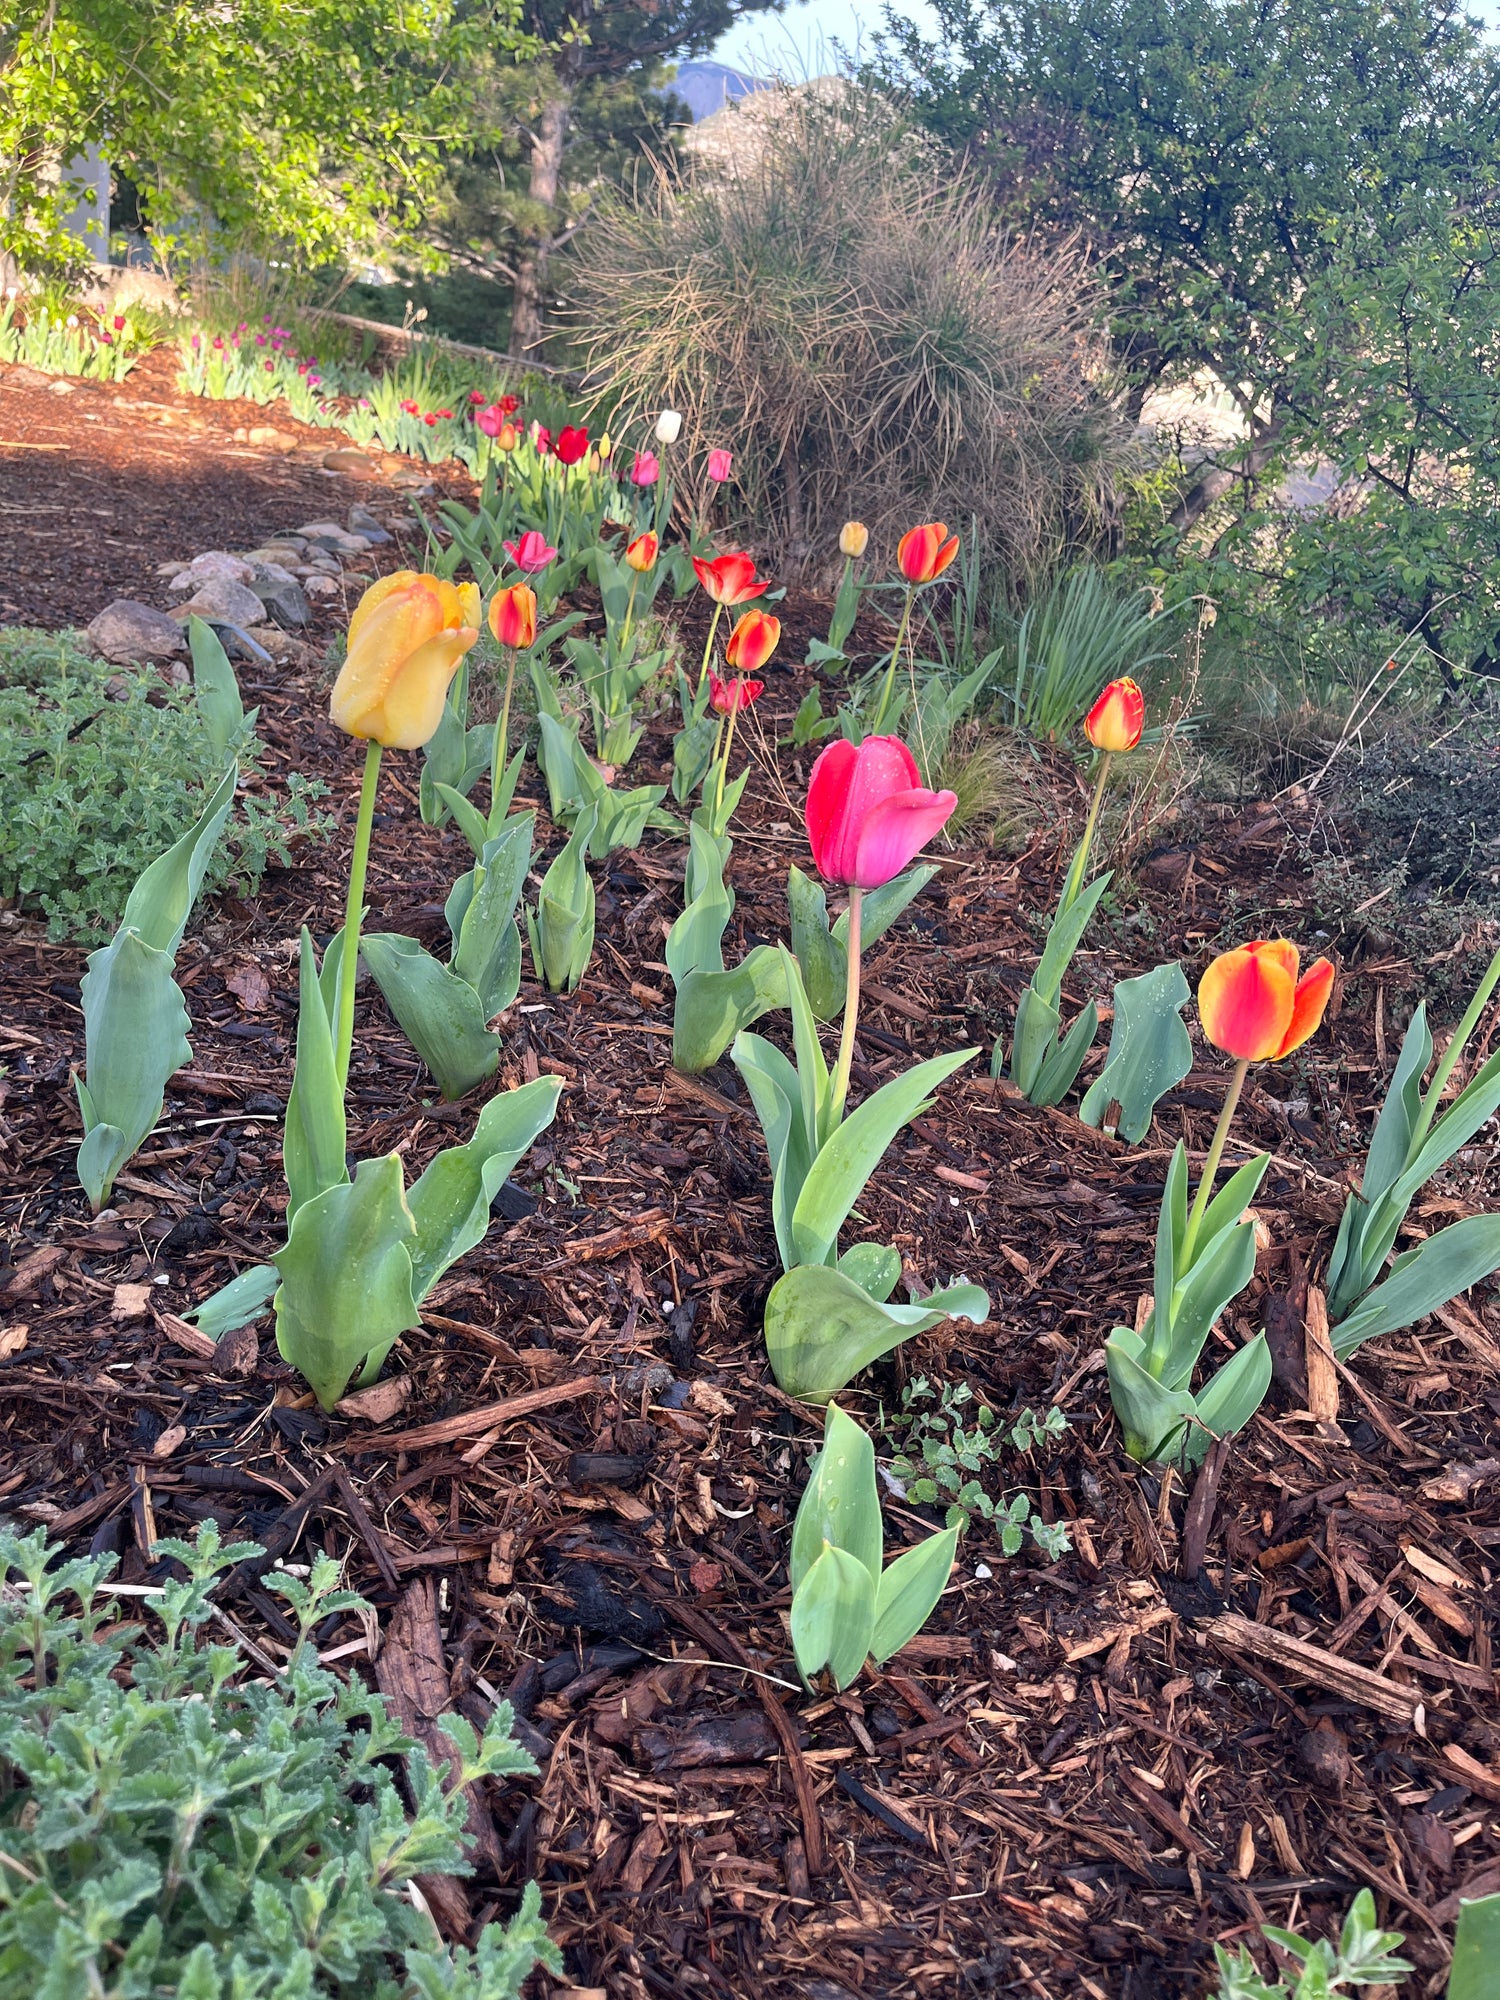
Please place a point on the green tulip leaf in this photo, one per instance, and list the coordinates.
(839, 1504)
(450, 1202)
(1422, 1279)
(833, 1617)
(909, 1589)
(315, 1134)
(440, 1014)
(874, 1267)
(234, 1305)
(1150, 1052)
(822, 1328)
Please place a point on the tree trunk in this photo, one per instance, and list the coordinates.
(1217, 481)
(526, 333)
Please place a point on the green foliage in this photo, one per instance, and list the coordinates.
(1475, 1945)
(63, 338)
(1081, 633)
(102, 768)
(561, 926)
(844, 307)
(942, 1463)
(1363, 1956)
(1150, 1052)
(171, 1826)
(1043, 1061)
(845, 1606)
(712, 1004)
(1150, 1372)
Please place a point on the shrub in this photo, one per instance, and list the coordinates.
(101, 769)
(171, 1827)
(840, 306)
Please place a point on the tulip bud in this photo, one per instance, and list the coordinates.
(406, 639)
(719, 463)
(669, 427)
(507, 438)
(854, 539)
(606, 445)
(641, 555)
(646, 469)
(1116, 719)
(753, 641)
(924, 553)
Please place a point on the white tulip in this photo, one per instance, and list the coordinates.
(669, 427)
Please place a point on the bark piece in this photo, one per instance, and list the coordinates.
(1325, 1670)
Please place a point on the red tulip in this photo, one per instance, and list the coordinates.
(642, 553)
(868, 812)
(730, 579)
(429, 418)
(924, 553)
(411, 409)
(531, 553)
(719, 463)
(753, 641)
(729, 697)
(646, 470)
(508, 405)
(541, 438)
(477, 396)
(572, 443)
(1254, 1007)
(1115, 721)
(512, 616)
(491, 421)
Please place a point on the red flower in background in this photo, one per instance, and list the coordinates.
(572, 443)
(729, 697)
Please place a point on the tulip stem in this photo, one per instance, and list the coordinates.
(635, 578)
(890, 672)
(354, 910)
(1211, 1164)
(851, 1013)
(708, 650)
(1450, 1056)
(1074, 884)
(500, 754)
(734, 716)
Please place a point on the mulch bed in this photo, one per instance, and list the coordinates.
(1224, 1707)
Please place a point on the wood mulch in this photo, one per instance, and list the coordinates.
(575, 1488)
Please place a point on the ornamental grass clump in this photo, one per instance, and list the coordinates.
(853, 312)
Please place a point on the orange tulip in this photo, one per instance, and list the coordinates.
(1115, 721)
(924, 553)
(513, 616)
(752, 642)
(730, 579)
(1254, 1007)
(406, 639)
(641, 555)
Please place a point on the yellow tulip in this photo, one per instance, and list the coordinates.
(406, 639)
(854, 539)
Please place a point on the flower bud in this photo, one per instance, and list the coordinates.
(669, 427)
(854, 539)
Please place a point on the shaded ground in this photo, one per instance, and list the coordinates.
(1082, 1774)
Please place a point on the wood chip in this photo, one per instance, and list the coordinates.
(1322, 1375)
(187, 1337)
(131, 1301)
(380, 1402)
(1325, 1670)
(470, 1423)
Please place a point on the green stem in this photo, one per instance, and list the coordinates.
(354, 909)
(1211, 1165)
(635, 578)
(1451, 1054)
(708, 650)
(500, 754)
(734, 716)
(851, 1013)
(890, 672)
(1074, 884)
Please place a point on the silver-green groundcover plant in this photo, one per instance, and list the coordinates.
(171, 1826)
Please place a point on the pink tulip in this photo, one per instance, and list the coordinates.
(868, 812)
(531, 553)
(719, 463)
(646, 470)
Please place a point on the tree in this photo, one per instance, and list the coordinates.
(1297, 196)
(593, 44)
(317, 125)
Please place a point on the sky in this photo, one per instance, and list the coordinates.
(800, 40)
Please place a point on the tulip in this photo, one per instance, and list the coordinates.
(507, 438)
(508, 405)
(513, 622)
(728, 697)
(921, 555)
(640, 556)
(412, 409)
(924, 553)
(719, 463)
(606, 446)
(406, 639)
(532, 553)
(1115, 721)
(646, 469)
(572, 443)
(753, 641)
(477, 396)
(868, 814)
(512, 616)
(1112, 725)
(541, 439)
(728, 580)
(668, 430)
(854, 539)
(1253, 1006)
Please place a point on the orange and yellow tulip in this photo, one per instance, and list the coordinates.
(642, 553)
(1115, 721)
(924, 553)
(1254, 1007)
(407, 636)
(752, 642)
(513, 616)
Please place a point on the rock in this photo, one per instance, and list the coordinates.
(269, 438)
(22, 376)
(333, 539)
(213, 563)
(364, 524)
(278, 549)
(61, 387)
(321, 587)
(224, 601)
(283, 648)
(352, 463)
(281, 594)
(126, 631)
(1324, 1755)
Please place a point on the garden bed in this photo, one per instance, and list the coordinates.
(1081, 1773)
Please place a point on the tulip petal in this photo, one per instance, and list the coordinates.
(414, 700)
(1246, 998)
(382, 636)
(1308, 1005)
(399, 579)
(897, 828)
(846, 784)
